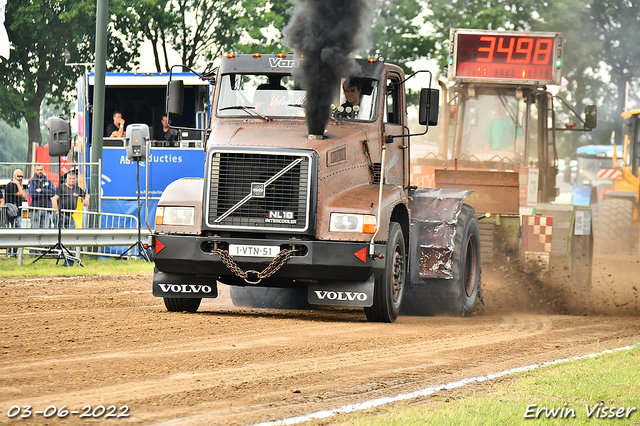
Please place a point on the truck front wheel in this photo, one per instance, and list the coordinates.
(175, 304)
(389, 285)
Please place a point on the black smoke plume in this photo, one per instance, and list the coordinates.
(326, 33)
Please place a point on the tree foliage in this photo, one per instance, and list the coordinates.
(202, 30)
(396, 35)
(600, 55)
(509, 15)
(40, 31)
(12, 146)
(615, 24)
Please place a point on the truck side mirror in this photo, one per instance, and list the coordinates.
(175, 98)
(590, 116)
(429, 107)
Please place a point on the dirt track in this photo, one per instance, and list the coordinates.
(107, 341)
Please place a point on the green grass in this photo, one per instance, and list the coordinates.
(613, 379)
(47, 267)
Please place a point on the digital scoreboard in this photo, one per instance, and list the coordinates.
(521, 57)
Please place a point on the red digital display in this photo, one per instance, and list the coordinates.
(496, 56)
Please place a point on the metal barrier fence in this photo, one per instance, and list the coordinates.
(52, 171)
(95, 233)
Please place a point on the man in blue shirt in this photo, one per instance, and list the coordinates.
(41, 189)
(502, 132)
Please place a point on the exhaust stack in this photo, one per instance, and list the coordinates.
(325, 34)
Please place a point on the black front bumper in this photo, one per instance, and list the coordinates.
(316, 261)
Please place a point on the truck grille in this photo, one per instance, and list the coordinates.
(259, 191)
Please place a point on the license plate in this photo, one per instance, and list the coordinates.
(253, 251)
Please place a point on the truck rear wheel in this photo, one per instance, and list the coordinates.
(175, 304)
(389, 285)
(457, 296)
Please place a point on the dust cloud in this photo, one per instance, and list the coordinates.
(510, 287)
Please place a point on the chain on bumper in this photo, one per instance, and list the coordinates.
(277, 263)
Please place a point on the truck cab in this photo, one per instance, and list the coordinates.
(325, 212)
(594, 173)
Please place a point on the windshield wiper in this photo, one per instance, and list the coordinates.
(248, 109)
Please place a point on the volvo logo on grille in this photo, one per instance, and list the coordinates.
(257, 190)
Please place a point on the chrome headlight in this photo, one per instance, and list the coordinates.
(348, 222)
(173, 215)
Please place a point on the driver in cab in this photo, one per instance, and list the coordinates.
(501, 132)
(352, 88)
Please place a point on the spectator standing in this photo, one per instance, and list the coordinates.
(41, 189)
(15, 194)
(67, 195)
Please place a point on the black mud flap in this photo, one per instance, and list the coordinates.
(184, 286)
(346, 293)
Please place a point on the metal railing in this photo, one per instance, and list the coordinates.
(96, 233)
(117, 233)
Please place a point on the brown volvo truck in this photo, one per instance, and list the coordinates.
(283, 215)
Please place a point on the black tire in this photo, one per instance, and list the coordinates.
(390, 283)
(457, 296)
(269, 297)
(614, 225)
(177, 304)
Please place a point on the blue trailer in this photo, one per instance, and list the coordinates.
(141, 98)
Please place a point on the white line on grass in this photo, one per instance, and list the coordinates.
(427, 391)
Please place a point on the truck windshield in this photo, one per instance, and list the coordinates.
(278, 95)
(588, 167)
(492, 129)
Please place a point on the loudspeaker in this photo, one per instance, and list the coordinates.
(136, 142)
(59, 137)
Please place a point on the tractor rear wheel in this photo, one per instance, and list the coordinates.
(614, 225)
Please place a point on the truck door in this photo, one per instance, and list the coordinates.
(396, 167)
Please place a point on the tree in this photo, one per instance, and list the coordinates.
(202, 30)
(40, 31)
(581, 54)
(509, 15)
(615, 23)
(600, 56)
(145, 20)
(395, 33)
(10, 150)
